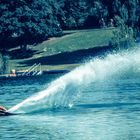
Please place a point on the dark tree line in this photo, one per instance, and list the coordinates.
(25, 22)
(88, 13)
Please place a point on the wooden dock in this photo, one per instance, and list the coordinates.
(22, 74)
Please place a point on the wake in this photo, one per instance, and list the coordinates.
(62, 92)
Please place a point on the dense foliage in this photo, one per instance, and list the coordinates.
(25, 22)
(88, 13)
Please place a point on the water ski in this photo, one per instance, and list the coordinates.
(4, 112)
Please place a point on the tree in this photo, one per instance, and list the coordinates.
(75, 14)
(133, 9)
(97, 11)
(25, 22)
(123, 35)
(124, 13)
(129, 11)
(4, 64)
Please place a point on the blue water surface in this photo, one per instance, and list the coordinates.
(107, 110)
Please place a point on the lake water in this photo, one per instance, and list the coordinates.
(98, 101)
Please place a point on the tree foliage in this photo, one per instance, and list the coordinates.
(25, 22)
(123, 35)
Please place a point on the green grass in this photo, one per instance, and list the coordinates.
(71, 41)
(76, 40)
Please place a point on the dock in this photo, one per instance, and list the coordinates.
(33, 71)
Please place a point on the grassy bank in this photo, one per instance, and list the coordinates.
(65, 52)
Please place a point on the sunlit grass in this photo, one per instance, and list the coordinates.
(76, 40)
(71, 41)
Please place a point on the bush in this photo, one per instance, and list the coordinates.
(123, 35)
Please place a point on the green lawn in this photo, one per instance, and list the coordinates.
(71, 41)
(76, 40)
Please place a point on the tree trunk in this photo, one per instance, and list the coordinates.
(5, 64)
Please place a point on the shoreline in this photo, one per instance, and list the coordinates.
(66, 52)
